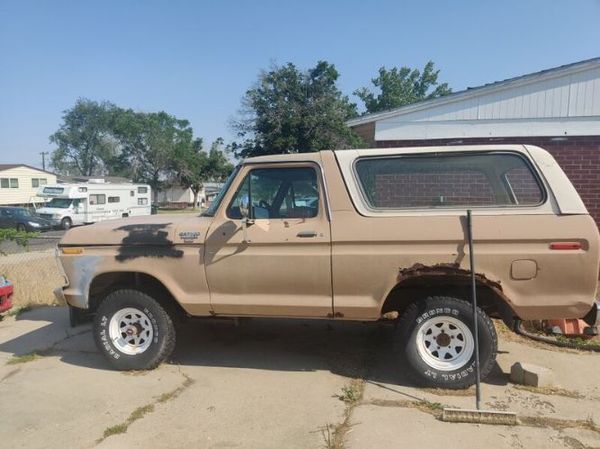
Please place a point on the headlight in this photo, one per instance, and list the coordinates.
(33, 224)
(56, 216)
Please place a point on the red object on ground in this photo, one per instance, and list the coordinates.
(6, 294)
(572, 327)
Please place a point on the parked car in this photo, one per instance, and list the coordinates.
(6, 295)
(22, 219)
(360, 235)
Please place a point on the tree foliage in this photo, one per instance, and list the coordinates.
(401, 86)
(150, 144)
(84, 139)
(194, 166)
(292, 111)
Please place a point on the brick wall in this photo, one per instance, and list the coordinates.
(579, 157)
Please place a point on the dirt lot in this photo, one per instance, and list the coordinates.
(271, 384)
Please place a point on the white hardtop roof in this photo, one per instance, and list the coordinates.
(471, 92)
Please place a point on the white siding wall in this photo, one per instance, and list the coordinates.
(564, 105)
(25, 193)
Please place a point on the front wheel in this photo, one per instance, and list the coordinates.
(66, 223)
(133, 331)
(435, 344)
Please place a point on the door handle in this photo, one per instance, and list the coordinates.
(306, 234)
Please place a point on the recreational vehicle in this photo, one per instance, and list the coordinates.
(75, 204)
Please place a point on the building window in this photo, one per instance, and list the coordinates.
(142, 201)
(97, 198)
(448, 181)
(36, 182)
(142, 189)
(113, 199)
(4, 183)
(14, 183)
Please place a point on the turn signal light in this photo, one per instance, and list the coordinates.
(565, 245)
(72, 250)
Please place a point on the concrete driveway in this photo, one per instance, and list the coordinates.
(270, 384)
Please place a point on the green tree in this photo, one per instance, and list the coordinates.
(401, 86)
(194, 166)
(292, 111)
(84, 139)
(151, 142)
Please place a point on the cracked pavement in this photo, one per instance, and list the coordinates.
(267, 384)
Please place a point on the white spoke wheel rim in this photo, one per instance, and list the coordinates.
(445, 343)
(131, 331)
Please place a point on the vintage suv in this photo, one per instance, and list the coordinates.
(350, 235)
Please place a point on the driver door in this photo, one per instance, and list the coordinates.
(281, 264)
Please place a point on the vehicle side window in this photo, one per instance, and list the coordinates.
(113, 199)
(523, 186)
(142, 201)
(142, 189)
(278, 193)
(97, 198)
(453, 180)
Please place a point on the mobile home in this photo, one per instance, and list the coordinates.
(75, 204)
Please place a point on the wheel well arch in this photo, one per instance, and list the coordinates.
(105, 283)
(421, 281)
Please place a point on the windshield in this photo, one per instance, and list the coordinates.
(60, 203)
(212, 209)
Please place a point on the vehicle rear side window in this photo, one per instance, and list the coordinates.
(114, 199)
(453, 180)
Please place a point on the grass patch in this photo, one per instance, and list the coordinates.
(16, 311)
(550, 391)
(25, 358)
(140, 412)
(114, 430)
(137, 414)
(579, 342)
(352, 392)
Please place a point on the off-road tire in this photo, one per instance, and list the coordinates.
(414, 365)
(162, 342)
(66, 223)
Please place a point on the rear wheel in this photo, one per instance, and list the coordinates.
(133, 331)
(435, 344)
(66, 223)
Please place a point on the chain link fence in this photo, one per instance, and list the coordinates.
(32, 269)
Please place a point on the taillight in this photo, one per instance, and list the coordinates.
(565, 245)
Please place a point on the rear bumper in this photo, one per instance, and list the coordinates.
(593, 316)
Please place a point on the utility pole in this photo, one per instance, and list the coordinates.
(44, 153)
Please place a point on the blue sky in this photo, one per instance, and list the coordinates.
(195, 59)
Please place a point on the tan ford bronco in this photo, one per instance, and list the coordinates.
(350, 235)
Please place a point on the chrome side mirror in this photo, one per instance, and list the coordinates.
(245, 207)
(246, 220)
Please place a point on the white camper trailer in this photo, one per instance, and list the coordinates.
(74, 204)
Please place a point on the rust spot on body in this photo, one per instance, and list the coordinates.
(444, 269)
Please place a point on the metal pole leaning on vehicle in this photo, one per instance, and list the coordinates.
(476, 416)
(474, 304)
